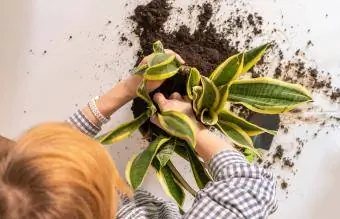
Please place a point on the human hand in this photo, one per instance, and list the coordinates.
(207, 143)
(152, 85)
(176, 103)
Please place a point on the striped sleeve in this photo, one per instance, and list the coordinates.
(79, 120)
(239, 190)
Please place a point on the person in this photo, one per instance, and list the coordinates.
(57, 171)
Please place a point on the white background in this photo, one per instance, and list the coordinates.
(37, 87)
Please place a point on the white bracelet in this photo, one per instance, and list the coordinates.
(94, 109)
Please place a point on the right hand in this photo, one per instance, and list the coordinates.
(208, 144)
(175, 103)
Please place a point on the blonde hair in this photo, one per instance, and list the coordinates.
(56, 172)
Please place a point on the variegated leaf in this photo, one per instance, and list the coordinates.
(124, 130)
(179, 125)
(209, 117)
(166, 152)
(158, 47)
(249, 154)
(194, 79)
(143, 93)
(200, 173)
(266, 95)
(171, 187)
(196, 94)
(210, 96)
(159, 59)
(224, 92)
(225, 116)
(163, 69)
(139, 69)
(137, 167)
(237, 136)
(228, 71)
(251, 57)
(180, 180)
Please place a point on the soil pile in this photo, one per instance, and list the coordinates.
(205, 48)
(212, 43)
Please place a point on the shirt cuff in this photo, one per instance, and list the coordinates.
(83, 124)
(224, 159)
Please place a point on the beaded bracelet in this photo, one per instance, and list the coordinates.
(94, 109)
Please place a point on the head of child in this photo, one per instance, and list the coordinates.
(54, 172)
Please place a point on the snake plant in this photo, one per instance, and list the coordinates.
(211, 98)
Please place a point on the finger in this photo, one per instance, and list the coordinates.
(144, 61)
(154, 120)
(175, 96)
(178, 57)
(187, 99)
(160, 100)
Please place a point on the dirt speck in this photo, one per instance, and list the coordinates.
(278, 154)
(288, 162)
(284, 184)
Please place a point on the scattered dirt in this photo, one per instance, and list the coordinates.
(335, 94)
(278, 153)
(284, 184)
(204, 49)
(211, 42)
(288, 162)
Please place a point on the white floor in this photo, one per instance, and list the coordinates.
(38, 86)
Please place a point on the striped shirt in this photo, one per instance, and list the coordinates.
(238, 189)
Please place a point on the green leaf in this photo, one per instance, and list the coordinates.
(251, 57)
(171, 187)
(209, 117)
(180, 180)
(210, 95)
(225, 116)
(124, 130)
(143, 93)
(182, 151)
(266, 95)
(249, 155)
(196, 94)
(138, 166)
(237, 136)
(159, 59)
(163, 70)
(229, 70)
(139, 69)
(179, 125)
(158, 47)
(166, 152)
(200, 173)
(194, 79)
(224, 92)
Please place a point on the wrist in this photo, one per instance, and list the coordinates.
(208, 144)
(131, 85)
(118, 96)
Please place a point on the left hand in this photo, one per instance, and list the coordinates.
(152, 85)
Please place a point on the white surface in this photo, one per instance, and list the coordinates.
(37, 87)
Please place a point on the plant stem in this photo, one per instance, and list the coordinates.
(180, 179)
